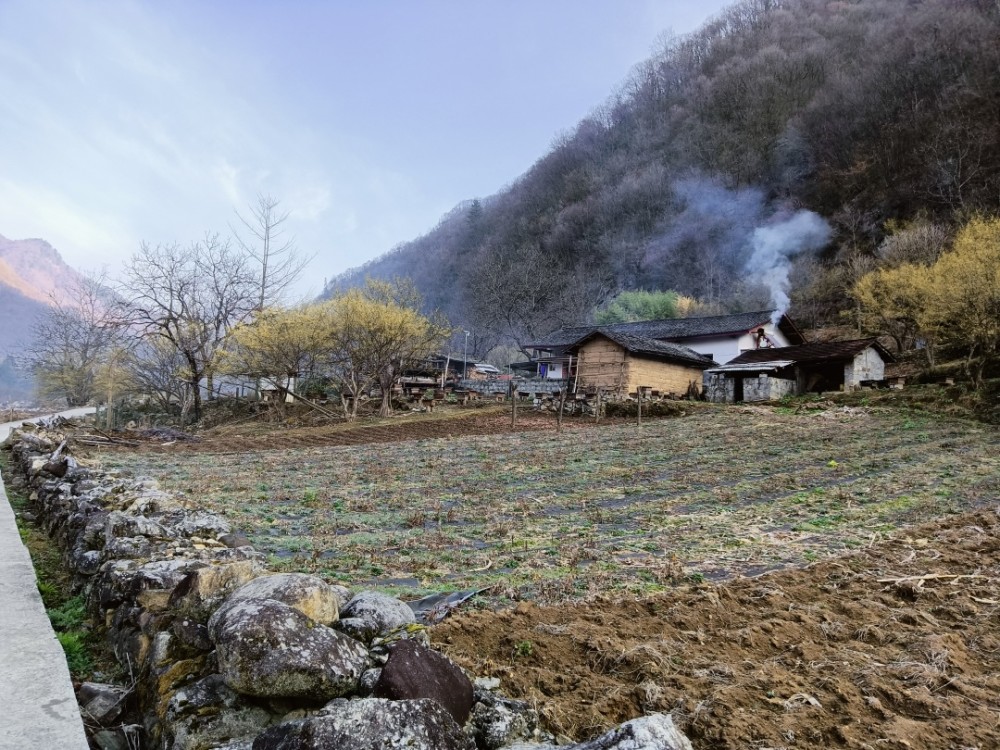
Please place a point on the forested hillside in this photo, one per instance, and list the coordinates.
(881, 116)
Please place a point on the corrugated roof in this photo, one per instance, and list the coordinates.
(804, 353)
(651, 347)
(673, 329)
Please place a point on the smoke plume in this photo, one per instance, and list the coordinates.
(719, 243)
(776, 243)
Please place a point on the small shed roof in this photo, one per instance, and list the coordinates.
(648, 347)
(784, 356)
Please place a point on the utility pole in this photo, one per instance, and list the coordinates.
(465, 358)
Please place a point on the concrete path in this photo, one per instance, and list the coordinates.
(37, 706)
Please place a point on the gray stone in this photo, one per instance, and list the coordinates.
(235, 540)
(119, 524)
(124, 737)
(128, 548)
(370, 724)
(268, 649)
(310, 595)
(414, 671)
(652, 732)
(497, 721)
(378, 614)
(100, 702)
(206, 713)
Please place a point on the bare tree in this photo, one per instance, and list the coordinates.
(72, 342)
(280, 263)
(190, 298)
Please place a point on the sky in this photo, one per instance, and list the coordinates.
(123, 122)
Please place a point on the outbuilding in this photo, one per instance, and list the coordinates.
(769, 374)
(619, 364)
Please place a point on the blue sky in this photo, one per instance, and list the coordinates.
(123, 122)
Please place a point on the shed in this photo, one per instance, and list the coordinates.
(621, 363)
(769, 374)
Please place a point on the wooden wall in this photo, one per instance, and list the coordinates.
(604, 364)
(665, 377)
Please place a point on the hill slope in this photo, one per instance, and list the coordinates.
(32, 275)
(863, 112)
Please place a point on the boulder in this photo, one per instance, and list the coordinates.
(414, 671)
(270, 650)
(207, 713)
(101, 703)
(652, 732)
(497, 721)
(118, 524)
(201, 591)
(123, 737)
(310, 595)
(370, 614)
(370, 724)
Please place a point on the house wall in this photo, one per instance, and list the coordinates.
(601, 364)
(725, 348)
(555, 371)
(722, 390)
(718, 388)
(666, 377)
(867, 365)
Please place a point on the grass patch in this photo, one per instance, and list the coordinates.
(85, 650)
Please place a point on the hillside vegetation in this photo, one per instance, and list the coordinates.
(880, 116)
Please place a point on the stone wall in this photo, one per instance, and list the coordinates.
(766, 388)
(223, 655)
(533, 385)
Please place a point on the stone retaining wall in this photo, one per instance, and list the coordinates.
(223, 655)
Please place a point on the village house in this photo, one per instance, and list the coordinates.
(769, 374)
(619, 364)
(717, 337)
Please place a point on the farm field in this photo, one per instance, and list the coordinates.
(626, 559)
(612, 509)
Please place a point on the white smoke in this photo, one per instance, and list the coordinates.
(774, 246)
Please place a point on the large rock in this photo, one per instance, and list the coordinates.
(370, 724)
(370, 614)
(207, 712)
(201, 591)
(414, 671)
(310, 595)
(498, 721)
(101, 703)
(268, 649)
(652, 732)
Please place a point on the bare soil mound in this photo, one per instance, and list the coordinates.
(894, 646)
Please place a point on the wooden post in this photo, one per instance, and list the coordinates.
(597, 410)
(638, 405)
(562, 407)
(513, 404)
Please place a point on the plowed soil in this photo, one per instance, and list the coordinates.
(452, 423)
(895, 646)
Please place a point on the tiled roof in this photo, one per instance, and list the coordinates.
(805, 353)
(651, 347)
(672, 329)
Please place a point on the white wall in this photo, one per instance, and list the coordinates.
(725, 348)
(867, 365)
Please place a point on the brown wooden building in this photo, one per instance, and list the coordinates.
(620, 364)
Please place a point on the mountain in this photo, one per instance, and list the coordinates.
(35, 269)
(861, 118)
(32, 275)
